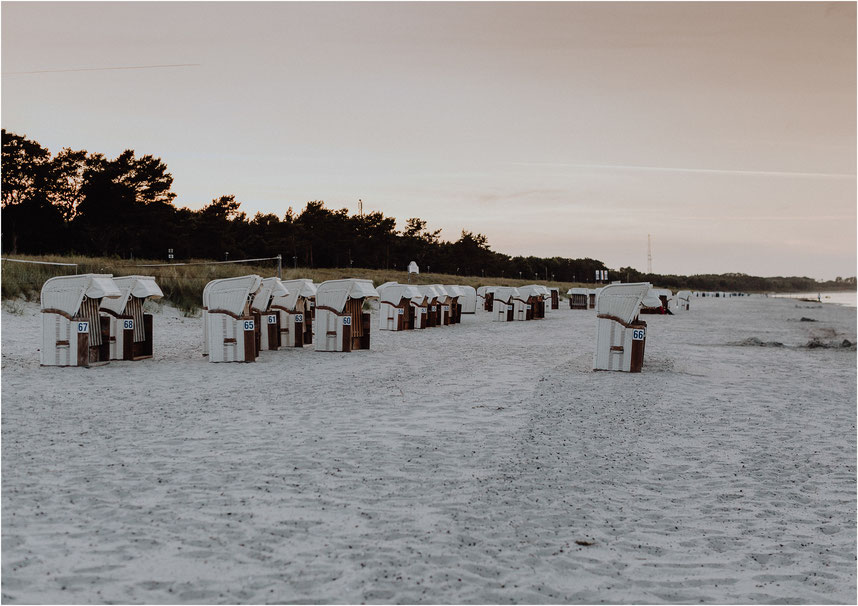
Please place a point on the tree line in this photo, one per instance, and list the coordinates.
(83, 203)
(76, 202)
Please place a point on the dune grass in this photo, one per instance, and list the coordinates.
(183, 284)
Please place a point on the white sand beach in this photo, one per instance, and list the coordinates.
(479, 463)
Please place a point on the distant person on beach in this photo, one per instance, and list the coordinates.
(819, 297)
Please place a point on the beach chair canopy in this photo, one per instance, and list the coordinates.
(454, 291)
(684, 295)
(578, 291)
(430, 292)
(505, 293)
(413, 268)
(652, 297)
(270, 287)
(482, 291)
(141, 287)
(528, 291)
(442, 291)
(533, 290)
(335, 293)
(65, 293)
(468, 291)
(231, 294)
(393, 292)
(300, 288)
(622, 301)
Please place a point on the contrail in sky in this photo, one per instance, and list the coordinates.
(764, 173)
(100, 69)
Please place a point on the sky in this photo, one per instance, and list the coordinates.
(725, 131)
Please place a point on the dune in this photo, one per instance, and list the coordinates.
(479, 463)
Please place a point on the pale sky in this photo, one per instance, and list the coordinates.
(727, 131)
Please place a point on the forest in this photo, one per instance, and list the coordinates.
(77, 202)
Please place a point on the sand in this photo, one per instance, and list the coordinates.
(484, 462)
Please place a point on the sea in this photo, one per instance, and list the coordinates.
(847, 298)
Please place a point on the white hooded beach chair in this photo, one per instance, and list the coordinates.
(504, 303)
(656, 301)
(620, 335)
(445, 304)
(73, 331)
(468, 299)
(591, 298)
(267, 319)
(681, 301)
(545, 301)
(485, 295)
(456, 294)
(420, 306)
(296, 312)
(433, 304)
(533, 296)
(341, 324)
(396, 311)
(130, 329)
(579, 298)
(231, 327)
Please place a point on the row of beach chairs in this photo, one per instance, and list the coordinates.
(509, 304)
(407, 307)
(245, 315)
(93, 318)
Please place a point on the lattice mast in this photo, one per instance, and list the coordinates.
(648, 254)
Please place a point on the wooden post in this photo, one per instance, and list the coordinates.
(347, 333)
(257, 332)
(638, 347)
(298, 328)
(307, 327)
(127, 336)
(250, 345)
(273, 329)
(82, 348)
